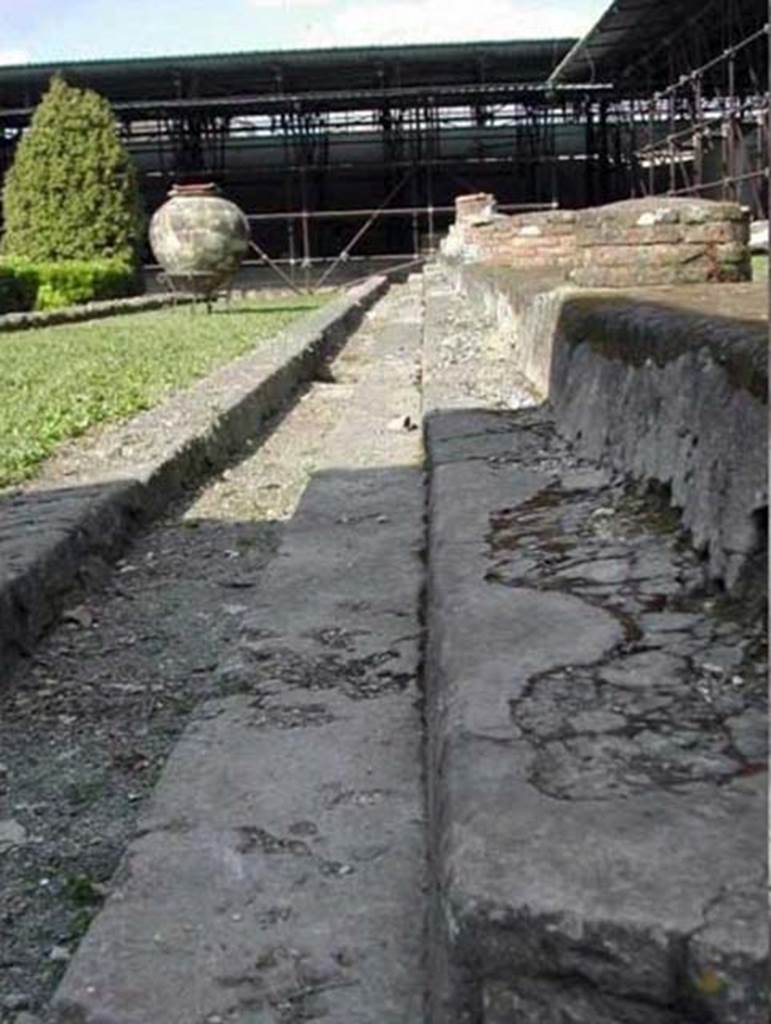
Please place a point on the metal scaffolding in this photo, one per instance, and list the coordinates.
(344, 154)
(691, 80)
(340, 154)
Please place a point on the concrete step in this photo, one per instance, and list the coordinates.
(280, 869)
(597, 748)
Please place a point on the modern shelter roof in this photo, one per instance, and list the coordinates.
(628, 45)
(145, 80)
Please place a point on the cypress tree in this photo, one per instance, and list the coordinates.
(72, 191)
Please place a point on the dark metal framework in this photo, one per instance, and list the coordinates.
(343, 154)
(691, 80)
(348, 153)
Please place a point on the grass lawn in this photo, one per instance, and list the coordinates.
(759, 267)
(56, 382)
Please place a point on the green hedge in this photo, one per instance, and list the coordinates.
(25, 285)
(18, 288)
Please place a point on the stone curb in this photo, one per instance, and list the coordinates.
(647, 381)
(678, 397)
(55, 540)
(88, 311)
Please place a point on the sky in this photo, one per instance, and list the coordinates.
(61, 30)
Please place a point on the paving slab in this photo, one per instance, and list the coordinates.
(280, 871)
(597, 748)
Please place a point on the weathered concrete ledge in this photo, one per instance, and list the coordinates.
(54, 539)
(596, 749)
(88, 311)
(669, 395)
(666, 384)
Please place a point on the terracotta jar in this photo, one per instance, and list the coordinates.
(199, 238)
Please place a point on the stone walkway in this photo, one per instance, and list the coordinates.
(532, 794)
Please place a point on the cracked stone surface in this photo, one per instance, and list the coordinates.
(598, 722)
(679, 701)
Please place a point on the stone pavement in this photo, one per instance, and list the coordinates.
(499, 759)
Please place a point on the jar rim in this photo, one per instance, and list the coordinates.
(203, 188)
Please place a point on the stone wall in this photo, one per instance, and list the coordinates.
(672, 396)
(650, 385)
(660, 240)
(537, 239)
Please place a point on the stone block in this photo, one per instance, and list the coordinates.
(633, 275)
(640, 256)
(600, 232)
(717, 231)
(731, 252)
(470, 208)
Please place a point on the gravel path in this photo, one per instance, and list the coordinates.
(87, 724)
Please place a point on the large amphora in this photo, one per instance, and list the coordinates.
(199, 238)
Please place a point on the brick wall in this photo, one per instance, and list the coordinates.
(636, 242)
(537, 240)
(662, 241)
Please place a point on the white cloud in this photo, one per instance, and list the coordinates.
(286, 5)
(14, 57)
(378, 22)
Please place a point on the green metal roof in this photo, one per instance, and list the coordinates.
(407, 50)
(290, 71)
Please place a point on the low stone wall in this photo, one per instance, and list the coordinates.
(88, 311)
(538, 239)
(662, 241)
(654, 388)
(659, 240)
(672, 396)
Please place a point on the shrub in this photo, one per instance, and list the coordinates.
(18, 288)
(25, 285)
(71, 192)
(75, 281)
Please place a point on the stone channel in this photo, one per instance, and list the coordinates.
(411, 715)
